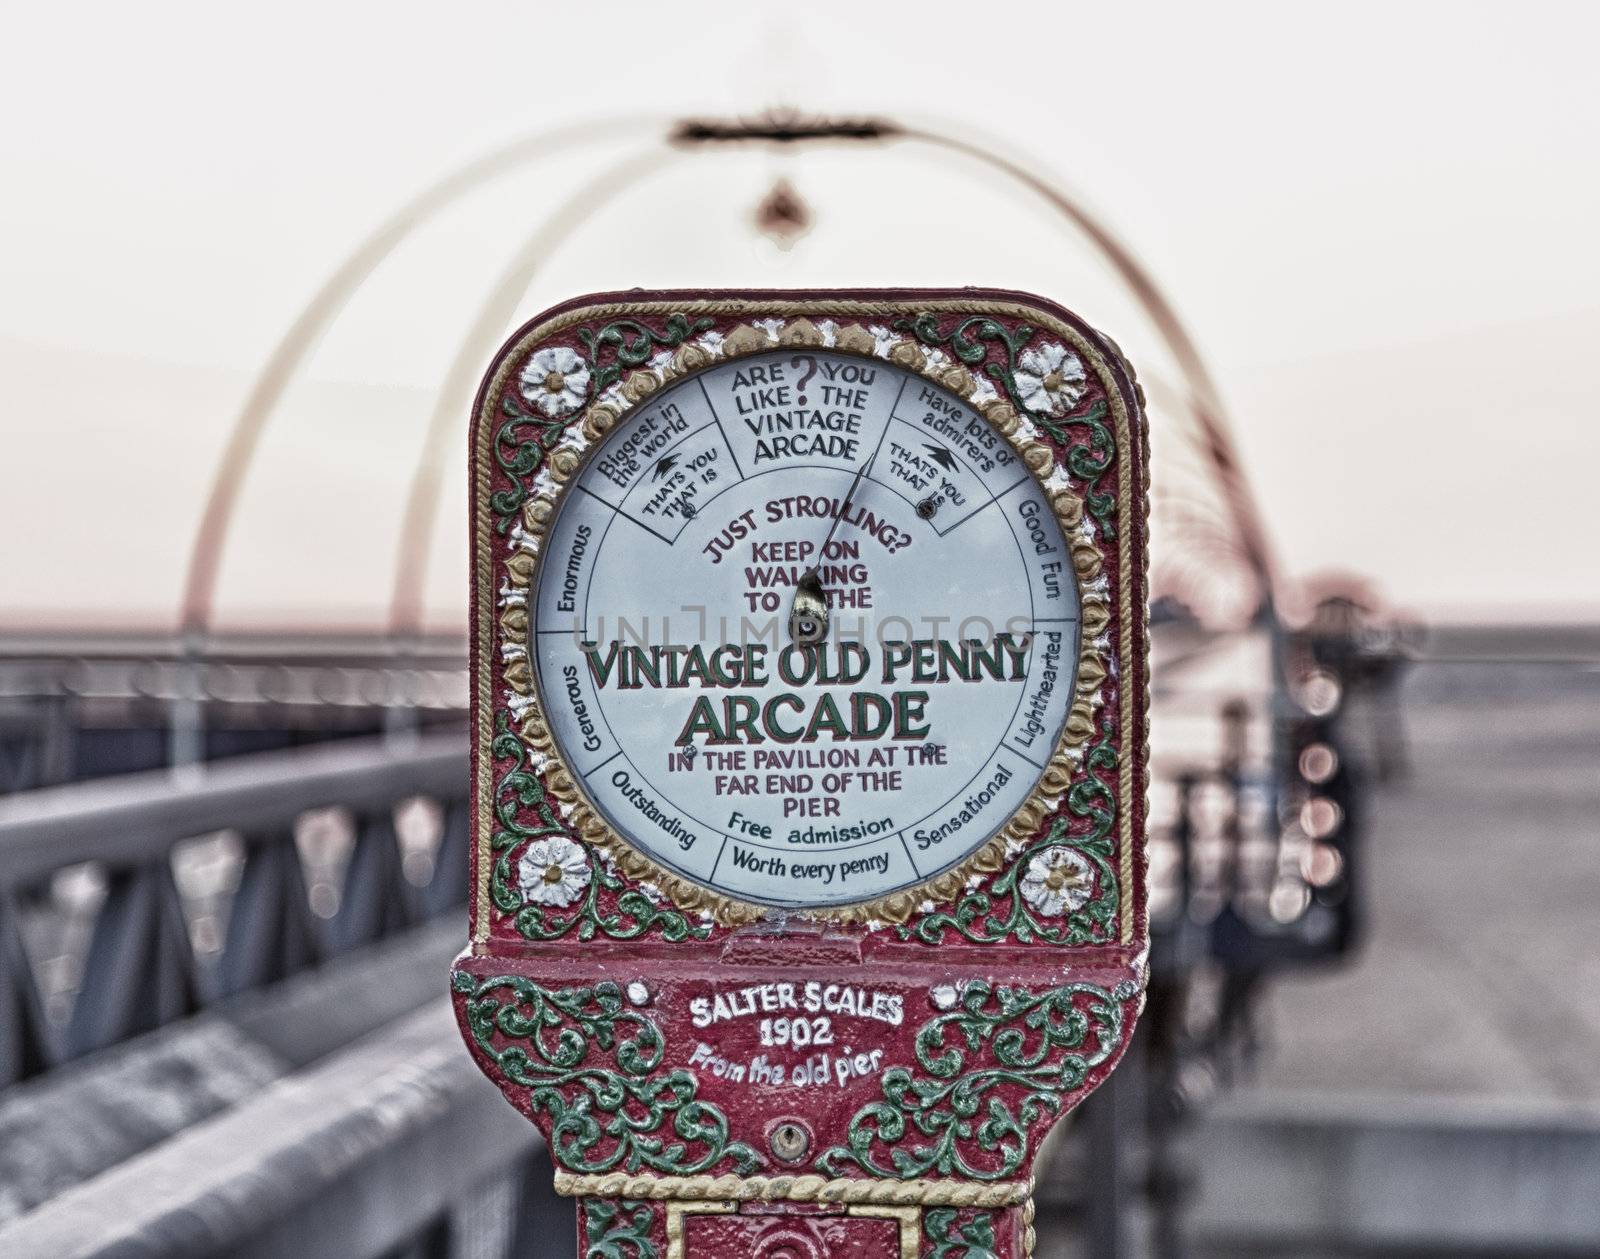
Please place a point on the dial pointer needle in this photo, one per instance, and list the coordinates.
(849, 494)
(808, 610)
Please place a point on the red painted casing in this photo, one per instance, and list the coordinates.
(961, 1032)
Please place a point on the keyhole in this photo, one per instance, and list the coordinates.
(790, 1141)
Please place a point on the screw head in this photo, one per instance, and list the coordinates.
(790, 1141)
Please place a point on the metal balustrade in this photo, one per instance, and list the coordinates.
(79, 707)
(389, 1145)
(140, 970)
(385, 1144)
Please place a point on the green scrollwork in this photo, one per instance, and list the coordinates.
(969, 341)
(618, 1230)
(1037, 1048)
(973, 1239)
(524, 437)
(634, 343)
(999, 910)
(521, 442)
(605, 1114)
(979, 341)
(519, 793)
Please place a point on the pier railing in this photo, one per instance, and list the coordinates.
(118, 838)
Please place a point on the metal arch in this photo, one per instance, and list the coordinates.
(312, 322)
(488, 328)
(1204, 401)
(1191, 519)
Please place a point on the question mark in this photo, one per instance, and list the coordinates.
(809, 372)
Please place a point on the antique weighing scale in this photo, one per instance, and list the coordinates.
(809, 691)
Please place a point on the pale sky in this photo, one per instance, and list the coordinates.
(1377, 221)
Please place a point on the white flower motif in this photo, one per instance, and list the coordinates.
(1058, 880)
(1051, 378)
(772, 327)
(555, 381)
(552, 872)
(518, 704)
(883, 339)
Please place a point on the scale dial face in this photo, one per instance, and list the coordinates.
(805, 776)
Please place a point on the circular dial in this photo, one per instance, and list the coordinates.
(806, 629)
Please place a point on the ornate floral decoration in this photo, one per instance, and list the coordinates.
(944, 1134)
(524, 438)
(1051, 379)
(555, 381)
(590, 1065)
(553, 872)
(1040, 384)
(1030, 1052)
(525, 818)
(1060, 889)
(619, 1229)
(1057, 880)
(1047, 390)
(951, 1237)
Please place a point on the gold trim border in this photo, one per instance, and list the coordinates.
(1089, 675)
(565, 461)
(676, 1225)
(909, 1218)
(920, 1193)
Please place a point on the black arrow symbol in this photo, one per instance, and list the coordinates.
(941, 456)
(664, 465)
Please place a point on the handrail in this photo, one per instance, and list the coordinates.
(350, 1158)
(140, 970)
(129, 818)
